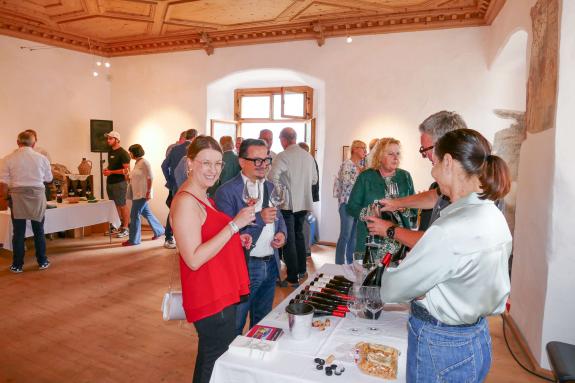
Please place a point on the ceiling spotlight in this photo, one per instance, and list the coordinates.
(349, 39)
(107, 64)
(98, 63)
(95, 74)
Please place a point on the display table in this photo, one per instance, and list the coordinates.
(293, 361)
(64, 217)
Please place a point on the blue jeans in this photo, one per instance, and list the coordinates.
(438, 353)
(141, 207)
(263, 275)
(18, 236)
(346, 241)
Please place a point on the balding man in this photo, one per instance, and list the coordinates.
(22, 177)
(268, 137)
(294, 168)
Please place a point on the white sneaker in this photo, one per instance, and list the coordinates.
(170, 244)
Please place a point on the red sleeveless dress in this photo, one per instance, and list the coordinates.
(219, 282)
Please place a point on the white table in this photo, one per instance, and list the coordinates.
(64, 217)
(293, 361)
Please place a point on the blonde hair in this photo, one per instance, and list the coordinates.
(380, 148)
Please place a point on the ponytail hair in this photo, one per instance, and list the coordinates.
(473, 152)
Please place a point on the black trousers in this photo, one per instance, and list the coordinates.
(294, 253)
(215, 333)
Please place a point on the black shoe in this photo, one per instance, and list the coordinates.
(15, 269)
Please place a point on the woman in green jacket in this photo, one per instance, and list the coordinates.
(371, 185)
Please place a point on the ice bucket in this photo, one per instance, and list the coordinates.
(300, 316)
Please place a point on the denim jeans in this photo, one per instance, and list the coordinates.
(141, 207)
(18, 236)
(346, 241)
(440, 353)
(215, 333)
(169, 233)
(294, 254)
(263, 275)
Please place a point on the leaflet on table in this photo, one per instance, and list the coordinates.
(265, 332)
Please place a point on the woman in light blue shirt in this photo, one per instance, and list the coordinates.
(457, 273)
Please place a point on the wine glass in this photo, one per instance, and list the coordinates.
(392, 191)
(371, 210)
(355, 305)
(278, 196)
(373, 304)
(251, 194)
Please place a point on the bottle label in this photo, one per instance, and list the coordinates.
(314, 288)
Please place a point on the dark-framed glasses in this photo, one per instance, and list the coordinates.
(259, 161)
(423, 150)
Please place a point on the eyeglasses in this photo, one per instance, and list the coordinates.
(259, 161)
(208, 165)
(423, 150)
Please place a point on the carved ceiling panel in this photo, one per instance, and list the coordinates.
(131, 27)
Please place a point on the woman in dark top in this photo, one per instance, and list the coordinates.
(212, 266)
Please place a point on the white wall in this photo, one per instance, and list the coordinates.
(377, 86)
(53, 92)
(542, 284)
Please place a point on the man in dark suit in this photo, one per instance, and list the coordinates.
(268, 234)
(173, 157)
(231, 164)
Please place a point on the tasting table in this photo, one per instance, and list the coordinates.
(64, 217)
(293, 361)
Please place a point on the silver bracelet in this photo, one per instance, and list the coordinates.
(234, 227)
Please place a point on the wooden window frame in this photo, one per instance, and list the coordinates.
(308, 102)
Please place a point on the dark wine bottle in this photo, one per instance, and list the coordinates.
(367, 261)
(374, 276)
(322, 301)
(319, 308)
(338, 277)
(333, 281)
(329, 297)
(327, 291)
(338, 288)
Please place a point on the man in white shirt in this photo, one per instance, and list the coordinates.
(295, 169)
(22, 177)
(268, 232)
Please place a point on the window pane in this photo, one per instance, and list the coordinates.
(224, 129)
(278, 108)
(252, 130)
(294, 104)
(255, 107)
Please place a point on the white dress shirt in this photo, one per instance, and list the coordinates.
(25, 167)
(295, 168)
(263, 247)
(139, 179)
(460, 265)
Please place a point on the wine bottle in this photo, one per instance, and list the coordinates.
(327, 290)
(367, 261)
(322, 301)
(319, 308)
(333, 280)
(374, 276)
(330, 286)
(58, 194)
(329, 297)
(337, 277)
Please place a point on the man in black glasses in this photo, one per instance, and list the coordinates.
(268, 232)
(431, 201)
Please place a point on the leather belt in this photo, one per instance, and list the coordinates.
(267, 258)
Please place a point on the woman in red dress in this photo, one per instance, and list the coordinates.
(212, 266)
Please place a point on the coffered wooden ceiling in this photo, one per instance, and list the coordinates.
(131, 27)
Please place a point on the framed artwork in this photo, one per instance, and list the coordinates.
(346, 152)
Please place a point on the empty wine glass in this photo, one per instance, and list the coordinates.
(392, 189)
(371, 210)
(251, 194)
(373, 304)
(278, 196)
(355, 305)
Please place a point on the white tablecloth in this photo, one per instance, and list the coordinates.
(64, 217)
(293, 361)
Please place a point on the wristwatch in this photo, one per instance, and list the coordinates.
(390, 232)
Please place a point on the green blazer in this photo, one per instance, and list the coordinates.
(368, 187)
(230, 170)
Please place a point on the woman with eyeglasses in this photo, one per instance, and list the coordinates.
(374, 183)
(140, 192)
(348, 173)
(457, 273)
(212, 265)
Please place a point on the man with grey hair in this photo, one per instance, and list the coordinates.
(432, 201)
(268, 137)
(22, 177)
(295, 169)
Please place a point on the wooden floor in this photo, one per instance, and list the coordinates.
(94, 316)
